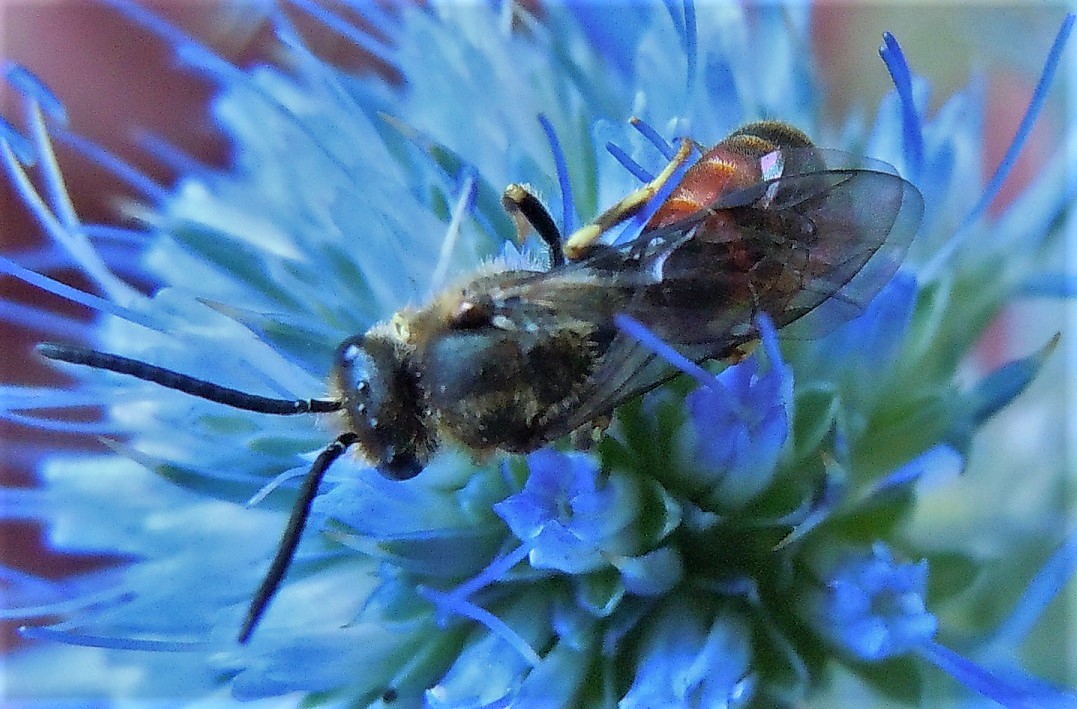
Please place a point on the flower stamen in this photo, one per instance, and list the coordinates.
(634, 328)
(348, 30)
(653, 136)
(57, 216)
(638, 171)
(120, 168)
(493, 573)
(568, 203)
(1039, 98)
(911, 127)
(448, 243)
(450, 603)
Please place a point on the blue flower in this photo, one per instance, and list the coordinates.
(571, 517)
(732, 535)
(872, 606)
(739, 423)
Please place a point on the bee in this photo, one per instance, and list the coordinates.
(512, 358)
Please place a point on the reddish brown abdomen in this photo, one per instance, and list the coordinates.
(719, 171)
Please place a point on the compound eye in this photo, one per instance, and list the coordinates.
(355, 370)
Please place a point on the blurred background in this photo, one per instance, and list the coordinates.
(119, 82)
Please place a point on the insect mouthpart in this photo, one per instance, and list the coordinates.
(383, 403)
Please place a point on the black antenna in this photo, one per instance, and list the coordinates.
(169, 379)
(290, 540)
(188, 385)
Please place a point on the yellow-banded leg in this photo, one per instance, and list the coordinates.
(528, 212)
(579, 243)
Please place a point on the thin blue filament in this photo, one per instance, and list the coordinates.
(568, 209)
(911, 128)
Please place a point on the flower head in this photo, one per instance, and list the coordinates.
(873, 607)
(725, 538)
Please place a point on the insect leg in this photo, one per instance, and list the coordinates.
(181, 382)
(290, 539)
(580, 240)
(527, 210)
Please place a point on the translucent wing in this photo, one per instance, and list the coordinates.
(811, 248)
(865, 224)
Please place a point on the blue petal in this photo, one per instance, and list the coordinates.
(568, 517)
(651, 574)
(557, 680)
(322, 662)
(488, 669)
(557, 547)
(871, 343)
(738, 425)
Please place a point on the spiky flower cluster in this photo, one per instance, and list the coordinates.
(737, 538)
